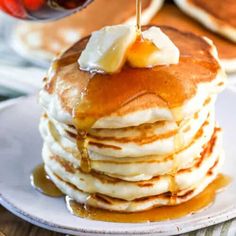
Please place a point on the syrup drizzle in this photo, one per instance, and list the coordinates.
(41, 182)
(138, 15)
(82, 144)
(197, 203)
(82, 123)
(178, 142)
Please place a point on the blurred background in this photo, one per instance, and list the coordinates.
(18, 76)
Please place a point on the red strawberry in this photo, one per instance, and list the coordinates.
(33, 5)
(3, 7)
(15, 8)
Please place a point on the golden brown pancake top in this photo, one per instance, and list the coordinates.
(171, 15)
(133, 89)
(224, 10)
(97, 15)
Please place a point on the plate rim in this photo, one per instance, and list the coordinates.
(226, 214)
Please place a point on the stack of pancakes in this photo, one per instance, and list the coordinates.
(161, 146)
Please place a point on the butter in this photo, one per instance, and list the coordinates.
(106, 49)
(111, 47)
(155, 48)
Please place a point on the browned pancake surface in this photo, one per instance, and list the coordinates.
(171, 15)
(224, 10)
(134, 89)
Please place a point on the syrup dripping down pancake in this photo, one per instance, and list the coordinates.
(134, 167)
(120, 195)
(135, 96)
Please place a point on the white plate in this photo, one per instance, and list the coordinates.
(20, 152)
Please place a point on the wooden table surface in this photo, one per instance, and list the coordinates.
(11, 225)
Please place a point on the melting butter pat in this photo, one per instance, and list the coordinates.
(106, 49)
(153, 48)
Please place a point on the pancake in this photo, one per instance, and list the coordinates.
(146, 143)
(172, 16)
(131, 168)
(197, 76)
(128, 193)
(151, 137)
(48, 40)
(218, 16)
(114, 204)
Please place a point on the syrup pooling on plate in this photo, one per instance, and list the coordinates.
(156, 214)
(41, 182)
(98, 79)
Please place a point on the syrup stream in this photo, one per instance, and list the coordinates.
(138, 15)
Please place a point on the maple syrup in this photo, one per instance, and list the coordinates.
(82, 144)
(196, 204)
(41, 181)
(83, 125)
(178, 144)
(140, 52)
(138, 15)
(166, 86)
